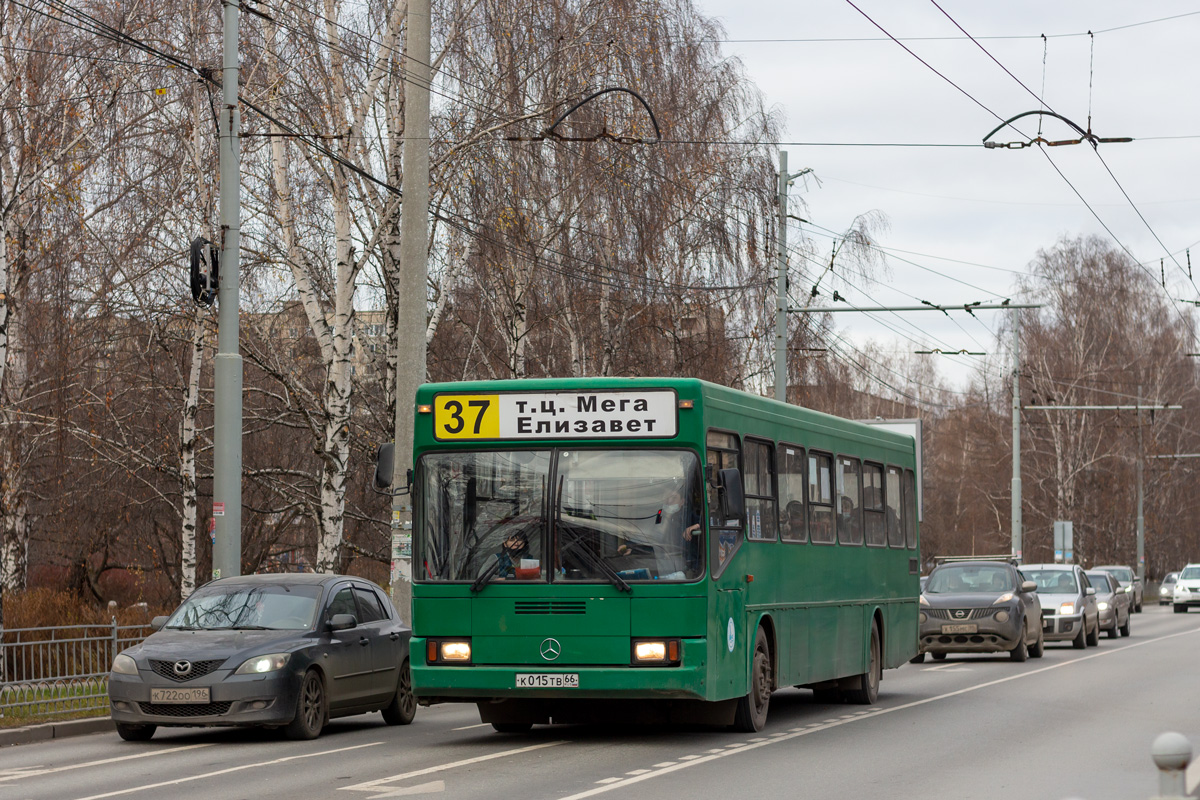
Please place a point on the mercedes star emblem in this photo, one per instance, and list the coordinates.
(183, 667)
(550, 649)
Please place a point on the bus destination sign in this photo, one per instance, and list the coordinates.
(555, 415)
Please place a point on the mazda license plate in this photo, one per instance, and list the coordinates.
(198, 694)
(547, 680)
(964, 628)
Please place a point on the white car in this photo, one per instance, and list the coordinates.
(1187, 589)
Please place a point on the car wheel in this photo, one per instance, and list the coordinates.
(1180, 609)
(1093, 638)
(1113, 633)
(919, 658)
(1039, 647)
(1080, 640)
(1139, 608)
(867, 691)
(1020, 652)
(1125, 627)
(310, 709)
(939, 656)
(512, 727)
(403, 707)
(751, 714)
(135, 733)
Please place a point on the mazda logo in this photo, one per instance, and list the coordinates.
(183, 667)
(550, 649)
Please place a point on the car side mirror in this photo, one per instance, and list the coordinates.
(342, 622)
(1091, 590)
(1028, 586)
(158, 622)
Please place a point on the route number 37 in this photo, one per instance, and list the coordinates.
(469, 416)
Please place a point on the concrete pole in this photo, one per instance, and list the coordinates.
(781, 374)
(1141, 519)
(1016, 447)
(227, 368)
(411, 293)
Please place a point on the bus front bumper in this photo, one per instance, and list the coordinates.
(444, 683)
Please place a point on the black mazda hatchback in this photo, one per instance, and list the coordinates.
(284, 651)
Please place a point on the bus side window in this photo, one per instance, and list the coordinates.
(849, 514)
(910, 509)
(892, 498)
(791, 493)
(722, 453)
(820, 498)
(761, 515)
(873, 522)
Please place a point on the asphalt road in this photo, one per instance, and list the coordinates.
(1076, 723)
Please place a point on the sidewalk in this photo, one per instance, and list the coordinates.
(55, 730)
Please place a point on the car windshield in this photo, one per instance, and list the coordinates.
(1171, 577)
(1100, 582)
(246, 607)
(1190, 574)
(616, 516)
(1123, 574)
(969, 579)
(1054, 581)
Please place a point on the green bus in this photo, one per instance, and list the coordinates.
(654, 549)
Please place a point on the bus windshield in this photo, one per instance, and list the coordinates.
(612, 516)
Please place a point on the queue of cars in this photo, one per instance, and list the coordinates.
(992, 605)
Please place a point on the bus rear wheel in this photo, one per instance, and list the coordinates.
(751, 714)
(867, 690)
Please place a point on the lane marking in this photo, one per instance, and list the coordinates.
(469, 727)
(369, 786)
(28, 772)
(834, 723)
(666, 764)
(226, 771)
(609, 780)
(424, 788)
(637, 772)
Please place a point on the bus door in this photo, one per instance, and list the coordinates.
(726, 531)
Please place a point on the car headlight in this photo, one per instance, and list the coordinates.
(1102, 606)
(924, 602)
(124, 665)
(1066, 608)
(1128, 589)
(1004, 598)
(272, 662)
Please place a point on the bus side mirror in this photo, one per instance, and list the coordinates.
(385, 469)
(733, 500)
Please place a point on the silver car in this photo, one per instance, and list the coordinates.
(1069, 611)
(1167, 590)
(1112, 602)
(1130, 582)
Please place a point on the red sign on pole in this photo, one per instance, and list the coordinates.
(218, 509)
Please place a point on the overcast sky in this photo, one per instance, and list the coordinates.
(991, 208)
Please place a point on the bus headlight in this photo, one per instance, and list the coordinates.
(656, 651)
(448, 651)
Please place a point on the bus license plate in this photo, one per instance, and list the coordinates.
(197, 695)
(966, 628)
(547, 680)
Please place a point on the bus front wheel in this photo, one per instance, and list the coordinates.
(751, 713)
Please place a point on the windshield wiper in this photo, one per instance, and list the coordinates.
(485, 577)
(183, 627)
(598, 563)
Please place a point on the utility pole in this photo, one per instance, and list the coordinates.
(1141, 520)
(781, 281)
(410, 294)
(1016, 446)
(227, 367)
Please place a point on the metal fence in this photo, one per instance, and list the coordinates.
(45, 672)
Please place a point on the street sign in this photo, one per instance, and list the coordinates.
(1064, 541)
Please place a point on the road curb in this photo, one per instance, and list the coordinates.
(55, 730)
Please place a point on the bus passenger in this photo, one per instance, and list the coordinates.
(793, 524)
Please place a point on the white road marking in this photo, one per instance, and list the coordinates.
(953, 666)
(637, 772)
(469, 727)
(371, 786)
(28, 772)
(834, 723)
(609, 780)
(665, 764)
(424, 788)
(688, 758)
(226, 771)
